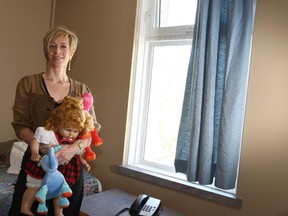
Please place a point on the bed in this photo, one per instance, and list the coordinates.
(10, 152)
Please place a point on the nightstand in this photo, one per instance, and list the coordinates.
(108, 203)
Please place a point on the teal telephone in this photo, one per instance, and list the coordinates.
(145, 205)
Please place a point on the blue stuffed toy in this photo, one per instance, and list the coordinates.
(53, 184)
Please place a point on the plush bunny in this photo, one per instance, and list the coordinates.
(96, 140)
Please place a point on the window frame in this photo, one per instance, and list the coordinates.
(132, 164)
(147, 38)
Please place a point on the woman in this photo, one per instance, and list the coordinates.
(36, 96)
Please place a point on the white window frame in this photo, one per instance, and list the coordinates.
(147, 37)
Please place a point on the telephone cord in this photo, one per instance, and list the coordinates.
(121, 211)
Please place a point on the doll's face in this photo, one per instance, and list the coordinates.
(69, 133)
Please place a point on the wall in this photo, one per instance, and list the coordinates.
(106, 29)
(23, 25)
(263, 175)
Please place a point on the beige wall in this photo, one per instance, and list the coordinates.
(106, 28)
(23, 24)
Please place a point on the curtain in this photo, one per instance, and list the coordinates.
(211, 126)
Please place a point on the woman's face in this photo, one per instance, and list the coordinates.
(59, 52)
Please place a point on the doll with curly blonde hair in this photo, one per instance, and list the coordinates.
(67, 123)
(70, 114)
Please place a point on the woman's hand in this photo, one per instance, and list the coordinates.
(65, 154)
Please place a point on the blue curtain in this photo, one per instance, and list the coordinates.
(210, 132)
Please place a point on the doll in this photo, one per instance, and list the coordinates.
(67, 123)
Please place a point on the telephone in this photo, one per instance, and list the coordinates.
(145, 205)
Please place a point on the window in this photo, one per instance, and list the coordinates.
(164, 46)
(163, 40)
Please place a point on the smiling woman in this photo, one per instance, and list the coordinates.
(36, 97)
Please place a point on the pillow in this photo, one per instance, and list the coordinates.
(16, 156)
(5, 157)
(5, 149)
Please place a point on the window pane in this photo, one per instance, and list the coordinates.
(176, 12)
(170, 65)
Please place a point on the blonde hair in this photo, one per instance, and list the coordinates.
(59, 31)
(70, 114)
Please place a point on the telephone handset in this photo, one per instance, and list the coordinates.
(145, 205)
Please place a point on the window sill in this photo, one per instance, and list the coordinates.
(179, 185)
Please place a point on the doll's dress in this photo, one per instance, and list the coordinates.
(71, 171)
